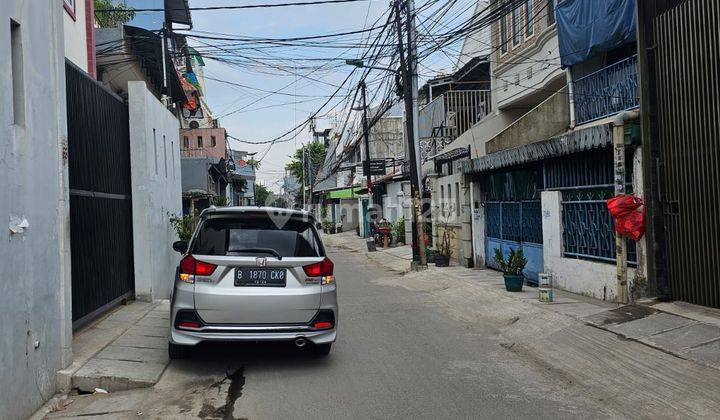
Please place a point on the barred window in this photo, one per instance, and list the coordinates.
(503, 34)
(529, 18)
(517, 31)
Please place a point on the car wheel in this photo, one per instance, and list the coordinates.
(176, 351)
(322, 349)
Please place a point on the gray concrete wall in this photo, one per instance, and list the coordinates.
(195, 173)
(35, 339)
(155, 171)
(548, 119)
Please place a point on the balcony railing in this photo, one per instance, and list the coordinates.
(450, 115)
(607, 91)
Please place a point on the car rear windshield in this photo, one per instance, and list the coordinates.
(250, 234)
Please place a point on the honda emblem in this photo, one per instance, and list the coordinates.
(261, 261)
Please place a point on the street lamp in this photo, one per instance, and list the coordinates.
(360, 64)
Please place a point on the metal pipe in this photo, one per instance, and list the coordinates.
(571, 95)
(164, 64)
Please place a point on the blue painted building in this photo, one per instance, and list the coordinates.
(241, 189)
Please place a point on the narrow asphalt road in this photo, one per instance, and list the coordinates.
(428, 345)
(397, 356)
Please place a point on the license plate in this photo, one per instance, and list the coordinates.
(260, 277)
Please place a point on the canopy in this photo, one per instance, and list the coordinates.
(587, 27)
(573, 142)
(344, 193)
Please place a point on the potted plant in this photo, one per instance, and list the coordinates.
(512, 268)
(430, 255)
(399, 230)
(220, 201)
(328, 227)
(184, 225)
(444, 249)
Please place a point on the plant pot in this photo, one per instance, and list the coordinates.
(430, 256)
(513, 283)
(442, 261)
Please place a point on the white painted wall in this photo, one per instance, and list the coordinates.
(478, 224)
(35, 339)
(526, 75)
(447, 204)
(347, 212)
(392, 208)
(478, 43)
(156, 191)
(589, 278)
(75, 34)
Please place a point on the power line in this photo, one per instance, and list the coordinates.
(247, 6)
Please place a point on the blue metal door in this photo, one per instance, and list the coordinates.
(512, 218)
(514, 225)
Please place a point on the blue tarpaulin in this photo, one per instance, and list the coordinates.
(587, 27)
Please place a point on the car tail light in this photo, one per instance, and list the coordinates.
(324, 320)
(188, 319)
(190, 267)
(323, 269)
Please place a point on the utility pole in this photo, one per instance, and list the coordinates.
(366, 135)
(619, 164)
(412, 68)
(409, 73)
(303, 177)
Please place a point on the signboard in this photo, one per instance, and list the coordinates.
(377, 167)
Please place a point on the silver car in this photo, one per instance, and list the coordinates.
(253, 274)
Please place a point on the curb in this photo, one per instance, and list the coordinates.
(64, 377)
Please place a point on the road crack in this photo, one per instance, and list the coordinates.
(225, 412)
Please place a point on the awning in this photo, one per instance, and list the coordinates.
(572, 142)
(344, 193)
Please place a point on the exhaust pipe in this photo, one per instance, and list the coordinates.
(300, 342)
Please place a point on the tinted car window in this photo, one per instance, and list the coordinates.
(233, 235)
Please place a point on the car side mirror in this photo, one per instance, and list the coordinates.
(180, 246)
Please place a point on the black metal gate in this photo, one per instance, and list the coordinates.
(100, 202)
(687, 76)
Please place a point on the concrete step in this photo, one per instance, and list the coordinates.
(674, 334)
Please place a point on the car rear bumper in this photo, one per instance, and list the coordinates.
(183, 300)
(191, 338)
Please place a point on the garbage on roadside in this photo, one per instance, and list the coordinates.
(100, 391)
(629, 212)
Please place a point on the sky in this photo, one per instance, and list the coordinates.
(255, 124)
(248, 114)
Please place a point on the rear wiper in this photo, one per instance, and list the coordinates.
(257, 250)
